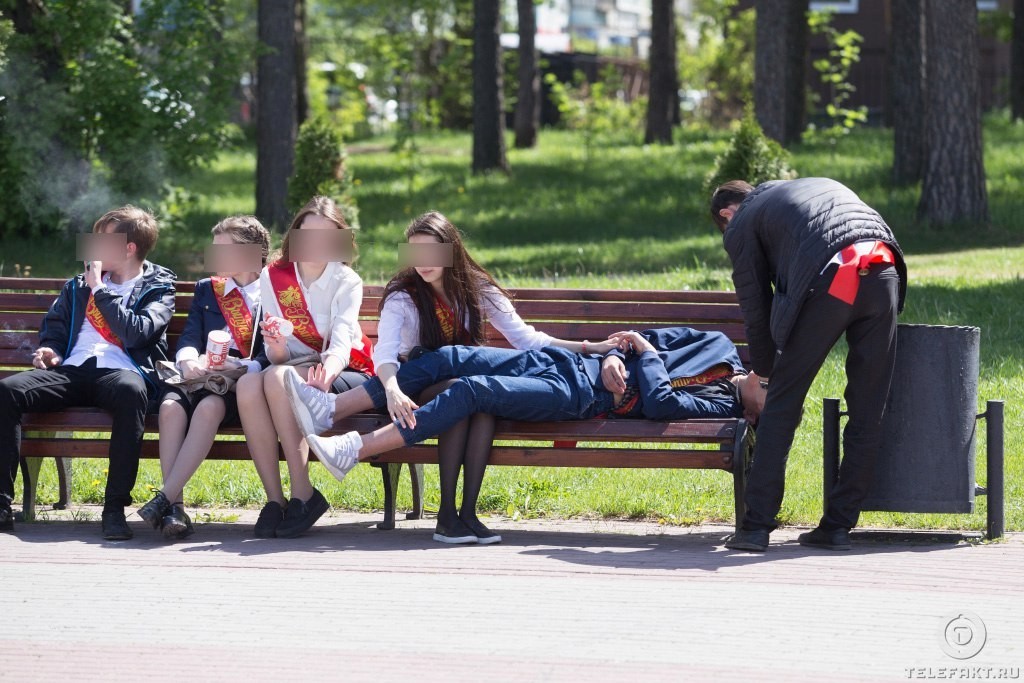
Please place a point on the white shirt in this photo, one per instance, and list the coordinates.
(251, 294)
(333, 300)
(90, 343)
(399, 328)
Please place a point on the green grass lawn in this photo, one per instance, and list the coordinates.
(635, 217)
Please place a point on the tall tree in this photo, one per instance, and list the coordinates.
(301, 57)
(488, 107)
(780, 68)
(275, 110)
(663, 99)
(907, 90)
(1017, 67)
(528, 102)
(953, 187)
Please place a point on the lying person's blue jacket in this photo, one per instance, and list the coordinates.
(682, 352)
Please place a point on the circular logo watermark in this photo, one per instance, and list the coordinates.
(963, 635)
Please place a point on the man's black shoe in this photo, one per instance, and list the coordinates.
(115, 526)
(155, 510)
(753, 540)
(6, 518)
(268, 521)
(300, 516)
(837, 539)
(177, 524)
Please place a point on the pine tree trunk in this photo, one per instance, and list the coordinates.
(488, 109)
(663, 99)
(907, 89)
(528, 102)
(780, 72)
(301, 56)
(276, 111)
(1017, 67)
(953, 188)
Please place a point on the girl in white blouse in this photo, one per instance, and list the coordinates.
(311, 299)
(444, 297)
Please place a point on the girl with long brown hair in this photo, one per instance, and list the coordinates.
(311, 299)
(444, 297)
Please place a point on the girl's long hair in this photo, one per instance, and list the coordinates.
(465, 284)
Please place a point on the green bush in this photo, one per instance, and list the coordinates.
(320, 169)
(751, 156)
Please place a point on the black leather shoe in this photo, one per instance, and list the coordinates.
(115, 526)
(155, 510)
(484, 536)
(268, 521)
(6, 518)
(752, 540)
(177, 524)
(300, 516)
(837, 539)
(456, 532)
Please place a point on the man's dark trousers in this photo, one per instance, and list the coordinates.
(121, 392)
(870, 327)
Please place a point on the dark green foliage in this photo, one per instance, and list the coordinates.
(103, 104)
(751, 156)
(320, 169)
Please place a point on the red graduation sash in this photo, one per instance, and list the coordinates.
(99, 323)
(446, 319)
(236, 312)
(854, 262)
(292, 303)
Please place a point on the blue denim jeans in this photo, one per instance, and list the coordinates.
(549, 384)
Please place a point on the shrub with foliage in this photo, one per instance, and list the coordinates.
(598, 110)
(106, 99)
(320, 169)
(751, 156)
(843, 53)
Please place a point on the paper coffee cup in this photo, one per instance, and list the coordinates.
(217, 346)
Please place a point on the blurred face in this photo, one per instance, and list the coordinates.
(423, 254)
(110, 247)
(318, 240)
(227, 258)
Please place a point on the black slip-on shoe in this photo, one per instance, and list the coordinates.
(484, 536)
(269, 520)
(115, 526)
(177, 524)
(455, 533)
(837, 539)
(300, 516)
(752, 540)
(6, 518)
(155, 510)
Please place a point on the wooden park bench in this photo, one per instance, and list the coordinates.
(723, 444)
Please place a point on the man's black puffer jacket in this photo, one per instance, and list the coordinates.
(780, 239)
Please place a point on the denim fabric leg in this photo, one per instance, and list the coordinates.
(450, 362)
(543, 396)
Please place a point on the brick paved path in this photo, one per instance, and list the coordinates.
(557, 601)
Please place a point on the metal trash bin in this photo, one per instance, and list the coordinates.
(926, 462)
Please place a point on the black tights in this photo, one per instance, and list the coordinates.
(465, 446)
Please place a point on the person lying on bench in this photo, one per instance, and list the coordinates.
(98, 346)
(666, 374)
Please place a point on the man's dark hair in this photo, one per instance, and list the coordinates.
(727, 194)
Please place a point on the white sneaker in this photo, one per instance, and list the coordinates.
(339, 454)
(314, 409)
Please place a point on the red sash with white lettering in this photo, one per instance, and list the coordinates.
(99, 323)
(236, 312)
(446, 319)
(292, 303)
